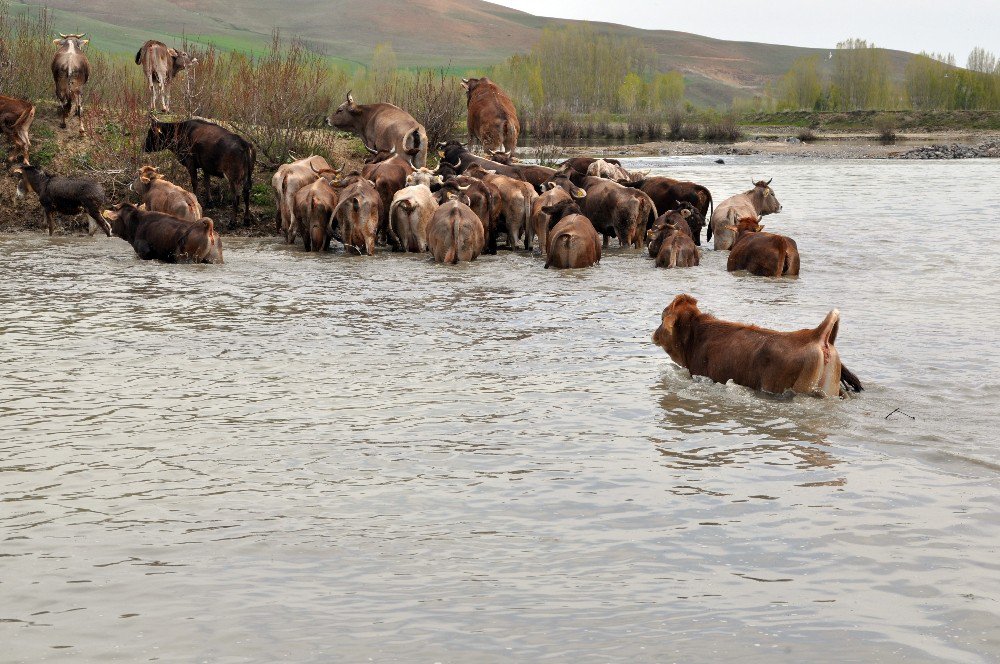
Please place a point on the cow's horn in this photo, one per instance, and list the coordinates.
(62, 35)
(459, 164)
(371, 150)
(350, 97)
(769, 182)
(461, 188)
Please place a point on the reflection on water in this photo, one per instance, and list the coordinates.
(317, 458)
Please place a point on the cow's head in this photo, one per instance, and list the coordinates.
(347, 116)
(504, 158)
(566, 182)
(451, 190)
(424, 176)
(451, 152)
(478, 171)
(376, 155)
(764, 200)
(71, 43)
(690, 215)
(745, 226)
(557, 211)
(144, 176)
(118, 218)
(675, 327)
(181, 59)
(158, 137)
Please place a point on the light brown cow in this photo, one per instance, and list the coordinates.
(15, 122)
(383, 126)
(409, 216)
(755, 203)
(516, 198)
(424, 176)
(161, 64)
(314, 205)
(601, 168)
(555, 191)
(357, 214)
(287, 180)
(805, 361)
(160, 195)
(762, 254)
(572, 240)
(70, 71)
(492, 119)
(455, 232)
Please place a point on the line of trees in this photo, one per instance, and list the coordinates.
(859, 77)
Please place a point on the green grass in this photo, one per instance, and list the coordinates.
(867, 120)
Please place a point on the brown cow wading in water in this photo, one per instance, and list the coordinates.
(70, 71)
(161, 64)
(492, 117)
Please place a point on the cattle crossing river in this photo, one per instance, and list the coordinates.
(319, 458)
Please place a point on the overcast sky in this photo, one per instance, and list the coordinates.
(948, 26)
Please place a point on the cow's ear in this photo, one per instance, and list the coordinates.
(56, 41)
(685, 213)
(84, 42)
(579, 193)
(760, 227)
(172, 52)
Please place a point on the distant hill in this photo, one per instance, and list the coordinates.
(461, 34)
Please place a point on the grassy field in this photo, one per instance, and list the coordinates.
(866, 120)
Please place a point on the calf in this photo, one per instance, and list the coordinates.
(287, 180)
(357, 214)
(204, 145)
(755, 203)
(159, 236)
(161, 64)
(455, 232)
(313, 207)
(805, 361)
(572, 240)
(159, 195)
(62, 195)
(409, 216)
(70, 71)
(16, 116)
(762, 254)
(670, 240)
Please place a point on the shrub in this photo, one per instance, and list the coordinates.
(886, 125)
(807, 135)
(723, 129)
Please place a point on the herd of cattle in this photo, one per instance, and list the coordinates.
(455, 212)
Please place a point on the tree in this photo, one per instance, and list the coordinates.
(981, 60)
(861, 77)
(801, 88)
(668, 90)
(631, 93)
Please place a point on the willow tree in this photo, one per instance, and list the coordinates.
(801, 88)
(860, 79)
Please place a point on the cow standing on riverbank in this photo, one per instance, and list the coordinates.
(70, 71)
(161, 64)
(15, 122)
(383, 127)
(492, 118)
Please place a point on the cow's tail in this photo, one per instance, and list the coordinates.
(826, 333)
(407, 207)
(451, 256)
(561, 244)
(674, 250)
(849, 381)
(412, 146)
(138, 56)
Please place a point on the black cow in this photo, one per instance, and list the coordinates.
(69, 196)
(214, 149)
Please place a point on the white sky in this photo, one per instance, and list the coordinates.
(947, 26)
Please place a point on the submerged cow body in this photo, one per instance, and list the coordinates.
(160, 195)
(762, 254)
(755, 203)
(357, 214)
(383, 126)
(671, 240)
(805, 362)
(16, 116)
(160, 64)
(214, 150)
(492, 118)
(70, 71)
(158, 236)
(572, 240)
(313, 206)
(455, 233)
(667, 194)
(409, 217)
(69, 196)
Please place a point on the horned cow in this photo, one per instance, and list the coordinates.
(70, 71)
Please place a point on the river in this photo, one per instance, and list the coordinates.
(318, 458)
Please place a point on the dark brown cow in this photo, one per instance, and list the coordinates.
(357, 214)
(485, 201)
(572, 240)
(667, 194)
(805, 361)
(762, 254)
(204, 145)
(456, 156)
(492, 119)
(670, 240)
(389, 177)
(313, 206)
(616, 210)
(455, 232)
(558, 189)
(15, 122)
(161, 64)
(382, 125)
(69, 196)
(158, 236)
(70, 71)
(159, 195)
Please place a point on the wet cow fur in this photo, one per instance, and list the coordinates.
(762, 254)
(158, 236)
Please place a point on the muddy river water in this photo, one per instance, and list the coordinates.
(318, 458)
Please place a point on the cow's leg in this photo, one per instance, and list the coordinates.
(152, 94)
(605, 236)
(165, 94)
(235, 192)
(247, 184)
(64, 112)
(79, 111)
(50, 222)
(97, 220)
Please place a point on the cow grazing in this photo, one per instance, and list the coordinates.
(161, 64)
(670, 240)
(572, 240)
(805, 361)
(762, 254)
(667, 194)
(492, 119)
(389, 177)
(516, 197)
(158, 236)
(16, 116)
(287, 180)
(157, 194)
(616, 210)
(755, 203)
(357, 214)
(313, 205)
(69, 196)
(70, 71)
(455, 232)
(383, 125)
(410, 215)
(204, 145)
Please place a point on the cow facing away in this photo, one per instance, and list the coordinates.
(383, 126)
(409, 217)
(755, 203)
(314, 205)
(492, 118)
(158, 236)
(762, 254)
(357, 214)
(572, 240)
(69, 196)
(516, 198)
(389, 177)
(70, 71)
(667, 194)
(161, 64)
(287, 180)
(455, 232)
(616, 210)
(160, 195)
(805, 361)
(670, 240)
(214, 150)
(16, 116)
